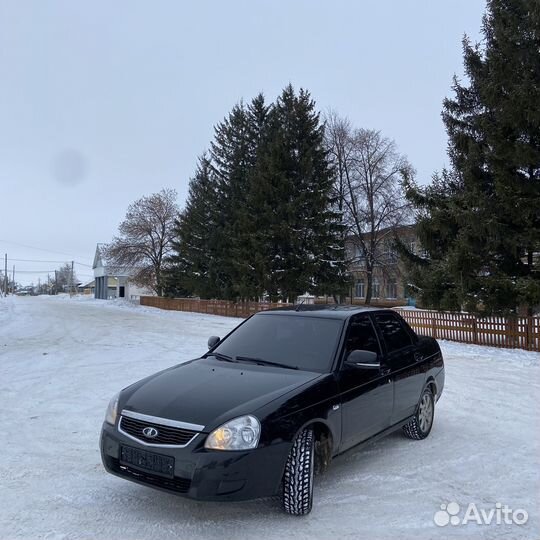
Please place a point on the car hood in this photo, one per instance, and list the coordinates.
(209, 392)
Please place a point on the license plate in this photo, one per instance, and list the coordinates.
(147, 461)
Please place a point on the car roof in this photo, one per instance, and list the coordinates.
(324, 311)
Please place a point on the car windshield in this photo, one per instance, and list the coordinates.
(308, 343)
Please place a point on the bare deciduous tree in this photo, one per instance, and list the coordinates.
(369, 173)
(144, 242)
(64, 280)
(339, 143)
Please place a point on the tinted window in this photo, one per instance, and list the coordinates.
(361, 336)
(395, 335)
(303, 341)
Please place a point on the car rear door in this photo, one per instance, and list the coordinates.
(366, 394)
(407, 373)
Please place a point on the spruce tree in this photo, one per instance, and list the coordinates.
(295, 229)
(259, 217)
(245, 249)
(234, 153)
(195, 267)
(228, 153)
(480, 222)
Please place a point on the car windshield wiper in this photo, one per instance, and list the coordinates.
(262, 362)
(221, 356)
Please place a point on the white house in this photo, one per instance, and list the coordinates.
(104, 271)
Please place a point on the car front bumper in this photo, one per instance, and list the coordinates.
(202, 474)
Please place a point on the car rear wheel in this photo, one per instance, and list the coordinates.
(297, 486)
(422, 422)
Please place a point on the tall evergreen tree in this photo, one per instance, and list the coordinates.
(234, 156)
(480, 221)
(195, 266)
(245, 248)
(228, 154)
(296, 231)
(259, 217)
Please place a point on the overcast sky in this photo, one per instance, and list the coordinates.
(102, 102)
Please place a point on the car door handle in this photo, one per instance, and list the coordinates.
(385, 371)
(418, 357)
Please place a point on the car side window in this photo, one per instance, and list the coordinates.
(395, 335)
(361, 336)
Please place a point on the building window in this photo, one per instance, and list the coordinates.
(389, 251)
(359, 258)
(391, 289)
(359, 291)
(375, 288)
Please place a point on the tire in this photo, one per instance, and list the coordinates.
(297, 485)
(420, 425)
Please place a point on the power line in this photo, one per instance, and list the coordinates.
(37, 248)
(36, 260)
(41, 272)
(34, 271)
(27, 274)
(46, 261)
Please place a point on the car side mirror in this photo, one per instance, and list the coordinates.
(362, 359)
(213, 341)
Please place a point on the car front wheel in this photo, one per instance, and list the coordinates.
(421, 423)
(297, 488)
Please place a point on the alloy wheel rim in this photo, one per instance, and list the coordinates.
(425, 413)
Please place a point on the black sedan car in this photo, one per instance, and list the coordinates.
(272, 403)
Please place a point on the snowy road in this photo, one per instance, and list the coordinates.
(61, 360)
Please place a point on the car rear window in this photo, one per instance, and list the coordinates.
(306, 342)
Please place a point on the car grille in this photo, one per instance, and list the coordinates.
(180, 485)
(166, 435)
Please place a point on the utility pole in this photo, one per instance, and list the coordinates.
(71, 280)
(13, 281)
(55, 282)
(5, 276)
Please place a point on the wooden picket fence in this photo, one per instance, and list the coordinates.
(212, 307)
(512, 333)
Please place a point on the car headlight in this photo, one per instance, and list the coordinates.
(239, 434)
(112, 410)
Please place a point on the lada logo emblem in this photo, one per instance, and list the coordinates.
(150, 432)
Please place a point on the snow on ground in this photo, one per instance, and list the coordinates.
(62, 359)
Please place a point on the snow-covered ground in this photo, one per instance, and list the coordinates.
(62, 359)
